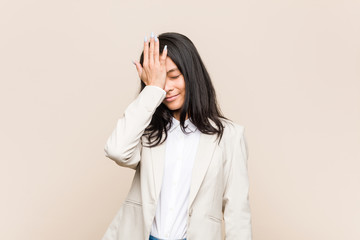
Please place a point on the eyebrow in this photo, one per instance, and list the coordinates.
(172, 70)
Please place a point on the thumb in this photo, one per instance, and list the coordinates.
(138, 67)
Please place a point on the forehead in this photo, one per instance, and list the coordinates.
(170, 65)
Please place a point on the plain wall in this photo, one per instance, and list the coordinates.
(286, 70)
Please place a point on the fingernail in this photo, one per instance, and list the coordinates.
(165, 47)
(133, 62)
(156, 39)
(152, 34)
(145, 39)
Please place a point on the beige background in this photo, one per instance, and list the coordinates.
(286, 70)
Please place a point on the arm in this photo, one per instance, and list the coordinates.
(236, 206)
(124, 144)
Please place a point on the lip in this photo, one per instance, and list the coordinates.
(169, 99)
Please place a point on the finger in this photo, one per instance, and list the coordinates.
(138, 68)
(151, 53)
(157, 46)
(146, 52)
(163, 55)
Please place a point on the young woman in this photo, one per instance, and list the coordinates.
(190, 161)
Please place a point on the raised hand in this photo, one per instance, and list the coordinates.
(153, 70)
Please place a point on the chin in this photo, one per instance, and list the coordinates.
(173, 108)
(173, 105)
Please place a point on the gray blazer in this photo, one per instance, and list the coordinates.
(219, 184)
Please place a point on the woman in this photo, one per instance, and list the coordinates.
(190, 161)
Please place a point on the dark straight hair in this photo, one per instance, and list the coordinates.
(200, 98)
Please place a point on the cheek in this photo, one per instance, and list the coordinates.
(183, 95)
(182, 86)
(182, 100)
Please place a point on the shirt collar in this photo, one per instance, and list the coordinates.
(188, 123)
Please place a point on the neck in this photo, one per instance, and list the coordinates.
(176, 115)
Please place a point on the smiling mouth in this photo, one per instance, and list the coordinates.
(172, 97)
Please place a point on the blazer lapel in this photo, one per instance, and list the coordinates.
(202, 161)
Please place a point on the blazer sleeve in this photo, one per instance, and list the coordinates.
(124, 144)
(236, 207)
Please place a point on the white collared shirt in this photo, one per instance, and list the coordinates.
(171, 214)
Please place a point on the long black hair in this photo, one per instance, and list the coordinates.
(200, 98)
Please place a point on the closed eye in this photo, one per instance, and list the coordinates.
(175, 77)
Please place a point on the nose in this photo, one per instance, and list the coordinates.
(168, 86)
